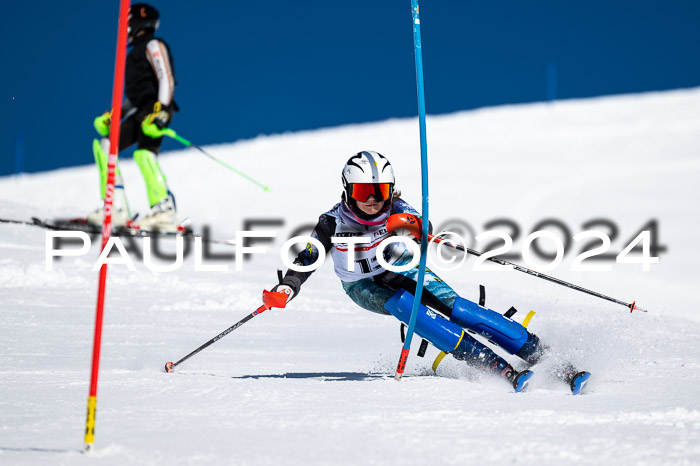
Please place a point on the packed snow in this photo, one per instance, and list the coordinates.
(313, 384)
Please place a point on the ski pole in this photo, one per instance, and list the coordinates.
(270, 300)
(409, 222)
(171, 133)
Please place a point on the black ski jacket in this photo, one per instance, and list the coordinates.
(150, 75)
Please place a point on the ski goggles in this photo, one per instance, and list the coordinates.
(362, 191)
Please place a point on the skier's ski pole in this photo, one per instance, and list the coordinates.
(171, 133)
(270, 300)
(404, 221)
(631, 306)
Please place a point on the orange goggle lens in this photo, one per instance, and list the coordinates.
(362, 192)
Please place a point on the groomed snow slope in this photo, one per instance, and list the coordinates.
(313, 384)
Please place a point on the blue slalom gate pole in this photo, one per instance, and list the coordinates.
(424, 184)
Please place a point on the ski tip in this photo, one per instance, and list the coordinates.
(169, 367)
(522, 380)
(578, 383)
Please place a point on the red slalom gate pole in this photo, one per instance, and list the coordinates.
(117, 93)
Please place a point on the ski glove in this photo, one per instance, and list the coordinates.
(285, 288)
(405, 224)
(102, 123)
(152, 126)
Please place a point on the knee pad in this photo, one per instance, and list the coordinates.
(442, 333)
(498, 329)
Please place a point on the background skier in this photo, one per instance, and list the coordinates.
(147, 109)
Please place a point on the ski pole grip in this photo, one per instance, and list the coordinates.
(274, 299)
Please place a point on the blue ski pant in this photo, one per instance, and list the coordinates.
(373, 293)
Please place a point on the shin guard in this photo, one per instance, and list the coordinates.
(156, 183)
(506, 333)
(442, 333)
(100, 149)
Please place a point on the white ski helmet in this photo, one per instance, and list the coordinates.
(368, 173)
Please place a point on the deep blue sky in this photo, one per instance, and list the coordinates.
(246, 68)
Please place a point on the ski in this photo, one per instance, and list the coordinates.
(81, 224)
(522, 380)
(579, 381)
(16, 222)
(130, 229)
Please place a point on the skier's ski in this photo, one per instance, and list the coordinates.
(16, 222)
(579, 381)
(130, 229)
(522, 380)
(81, 224)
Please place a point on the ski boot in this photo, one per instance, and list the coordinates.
(119, 217)
(162, 216)
(519, 380)
(120, 209)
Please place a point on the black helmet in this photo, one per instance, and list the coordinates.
(142, 17)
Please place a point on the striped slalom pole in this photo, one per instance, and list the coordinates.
(117, 91)
(424, 184)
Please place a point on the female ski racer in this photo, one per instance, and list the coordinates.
(368, 203)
